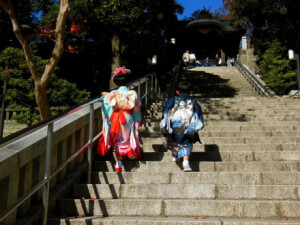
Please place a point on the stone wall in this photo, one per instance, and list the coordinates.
(247, 57)
(22, 161)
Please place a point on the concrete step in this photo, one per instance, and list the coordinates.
(186, 191)
(268, 102)
(234, 127)
(265, 124)
(249, 140)
(119, 220)
(254, 147)
(216, 178)
(253, 166)
(234, 102)
(155, 131)
(243, 117)
(250, 128)
(253, 99)
(184, 207)
(223, 123)
(234, 140)
(242, 109)
(224, 156)
(163, 220)
(232, 109)
(238, 108)
(256, 115)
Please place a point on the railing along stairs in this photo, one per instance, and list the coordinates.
(259, 85)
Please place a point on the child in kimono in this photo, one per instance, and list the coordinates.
(182, 119)
(121, 119)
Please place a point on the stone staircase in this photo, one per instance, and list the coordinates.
(246, 172)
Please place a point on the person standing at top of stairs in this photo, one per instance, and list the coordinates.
(182, 120)
(121, 113)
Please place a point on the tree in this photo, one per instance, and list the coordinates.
(200, 14)
(276, 69)
(268, 20)
(23, 10)
(41, 79)
(272, 24)
(131, 25)
(20, 93)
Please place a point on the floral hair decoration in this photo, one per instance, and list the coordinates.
(121, 70)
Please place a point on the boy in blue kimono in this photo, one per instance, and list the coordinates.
(182, 120)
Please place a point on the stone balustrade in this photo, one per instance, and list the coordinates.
(22, 161)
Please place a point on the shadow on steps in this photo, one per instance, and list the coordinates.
(207, 85)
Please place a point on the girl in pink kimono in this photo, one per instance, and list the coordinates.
(121, 119)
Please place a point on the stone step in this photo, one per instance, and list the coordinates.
(254, 147)
(256, 113)
(234, 140)
(251, 105)
(208, 109)
(242, 101)
(271, 133)
(186, 191)
(249, 140)
(238, 108)
(216, 178)
(234, 127)
(247, 109)
(254, 99)
(182, 207)
(225, 156)
(250, 123)
(250, 128)
(251, 110)
(162, 220)
(154, 166)
(155, 131)
(244, 117)
(243, 122)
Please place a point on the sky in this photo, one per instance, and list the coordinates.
(192, 5)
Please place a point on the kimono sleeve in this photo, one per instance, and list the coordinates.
(106, 109)
(165, 122)
(198, 111)
(196, 123)
(137, 111)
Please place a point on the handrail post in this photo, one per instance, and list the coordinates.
(139, 89)
(89, 156)
(159, 92)
(47, 172)
(146, 96)
(152, 75)
(155, 88)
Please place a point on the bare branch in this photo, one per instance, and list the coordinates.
(58, 50)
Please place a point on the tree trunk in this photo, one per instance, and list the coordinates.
(41, 100)
(116, 58)
(41, 80)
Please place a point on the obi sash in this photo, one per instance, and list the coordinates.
(117, 119)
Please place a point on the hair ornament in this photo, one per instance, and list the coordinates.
(121, 70)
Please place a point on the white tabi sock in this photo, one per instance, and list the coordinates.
(119, 164)
(185, 163)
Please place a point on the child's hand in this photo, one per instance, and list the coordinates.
(104, 93)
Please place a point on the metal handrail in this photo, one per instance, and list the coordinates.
(256, 83)
(154, 87)
(45, 182)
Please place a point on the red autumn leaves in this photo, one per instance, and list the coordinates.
(76, 29)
